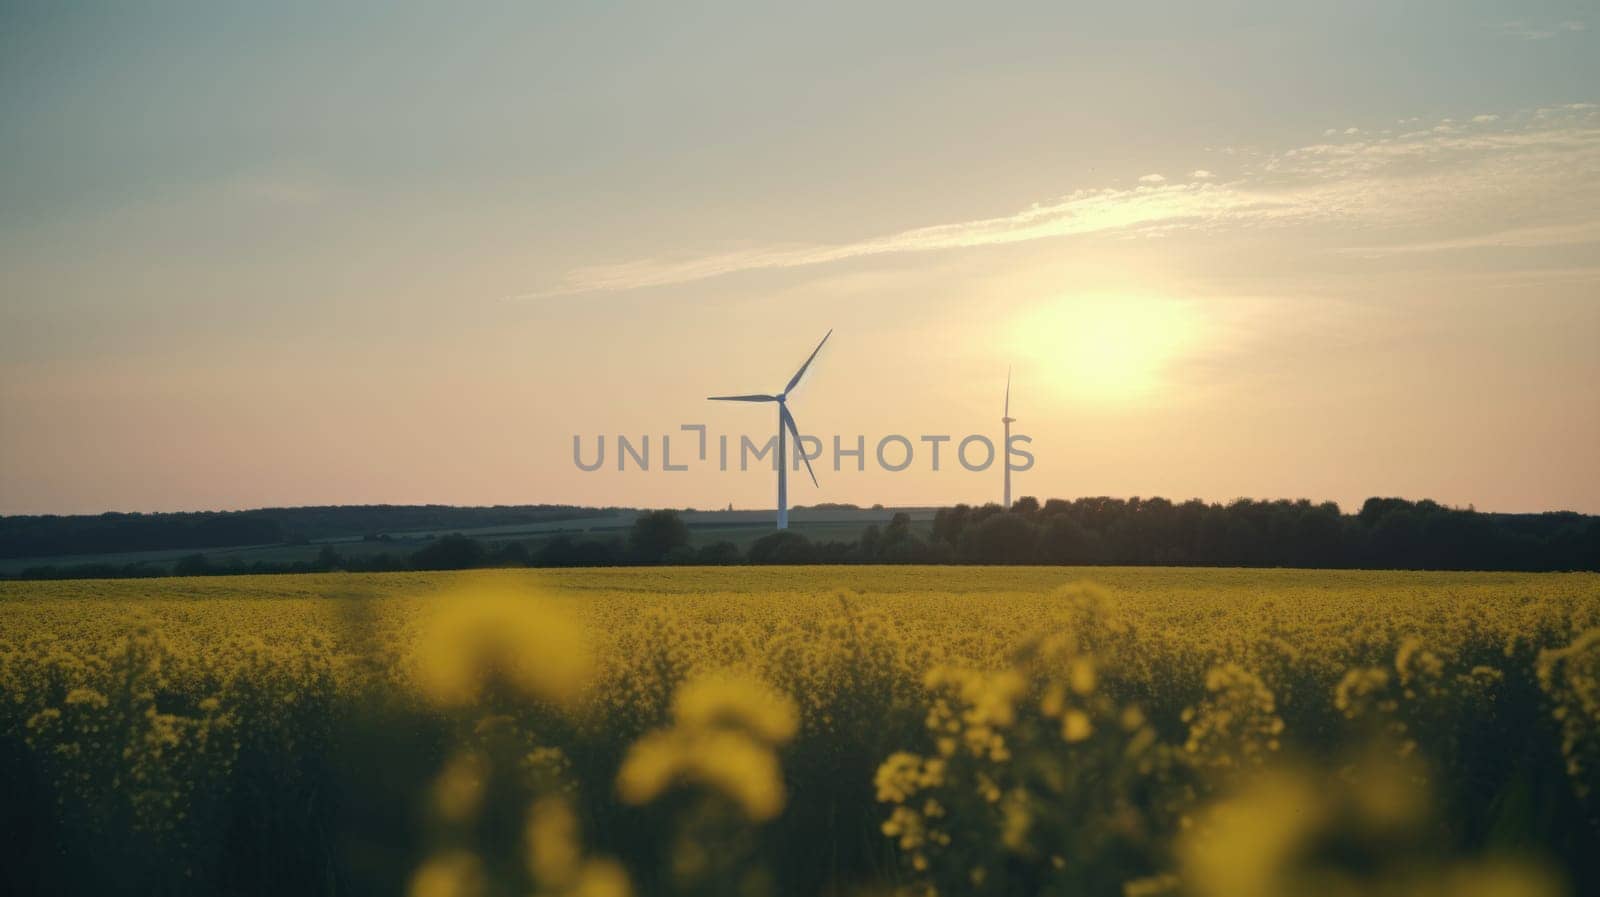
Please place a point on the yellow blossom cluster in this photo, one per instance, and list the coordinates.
(724, 732)
(1570, 675)
(1036, 734)
(489, 634)
(1236, 724)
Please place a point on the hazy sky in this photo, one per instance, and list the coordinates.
(284, 254)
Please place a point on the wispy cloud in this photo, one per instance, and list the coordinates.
(1084, 212)
(1525, 31)
(1514, 237)
(1540, 170)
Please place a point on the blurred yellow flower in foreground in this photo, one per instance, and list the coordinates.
(490, 633)
(722, 738)
(1242, 845)
(732, 763)
(554, 854)
(1075, 726)
(456, 873)
(1269, 840)
(556, 860)
(458, 790)
(723, 700)
(601, 878)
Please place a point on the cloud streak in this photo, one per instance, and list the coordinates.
(1542, 166)
(1510, 238)
(1524, 31)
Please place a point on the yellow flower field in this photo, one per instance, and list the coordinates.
(805, 730)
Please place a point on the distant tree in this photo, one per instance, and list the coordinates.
(1317, 539)
(1375, 509)
(560, 551)
(719, 554)
(328, 559)
(375, 563)
(1027, 506)
(999, 539)
(897, 545)
(655, 533)
(782, 547)
(1396, 538)
(834, 552)
(565, 551)
(1063, 541)
(870, 542)
(983, 512)
(906, 548)
(680, 555)
(949, 522)
(1056, 506)
(192, 565)
(452, 552)
(512, 554)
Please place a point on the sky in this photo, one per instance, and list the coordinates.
(295, 254)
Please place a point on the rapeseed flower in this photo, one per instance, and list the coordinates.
(457, 873)
(489, 633)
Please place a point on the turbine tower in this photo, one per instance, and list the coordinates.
(1005, 448)
(785, 422)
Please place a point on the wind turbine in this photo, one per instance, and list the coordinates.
(785, 422)
(1005, 449)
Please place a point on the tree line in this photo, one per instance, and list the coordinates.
(1387, 533)
(46, 535)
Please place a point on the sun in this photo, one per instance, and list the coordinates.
(1105, 348)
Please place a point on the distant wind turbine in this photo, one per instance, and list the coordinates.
(785, 422)
(1005, 449)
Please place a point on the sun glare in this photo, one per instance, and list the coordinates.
(1115, 348)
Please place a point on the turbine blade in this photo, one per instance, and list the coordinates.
(801, 373)
(788, 421)
(1008, 393)
(751, 398)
